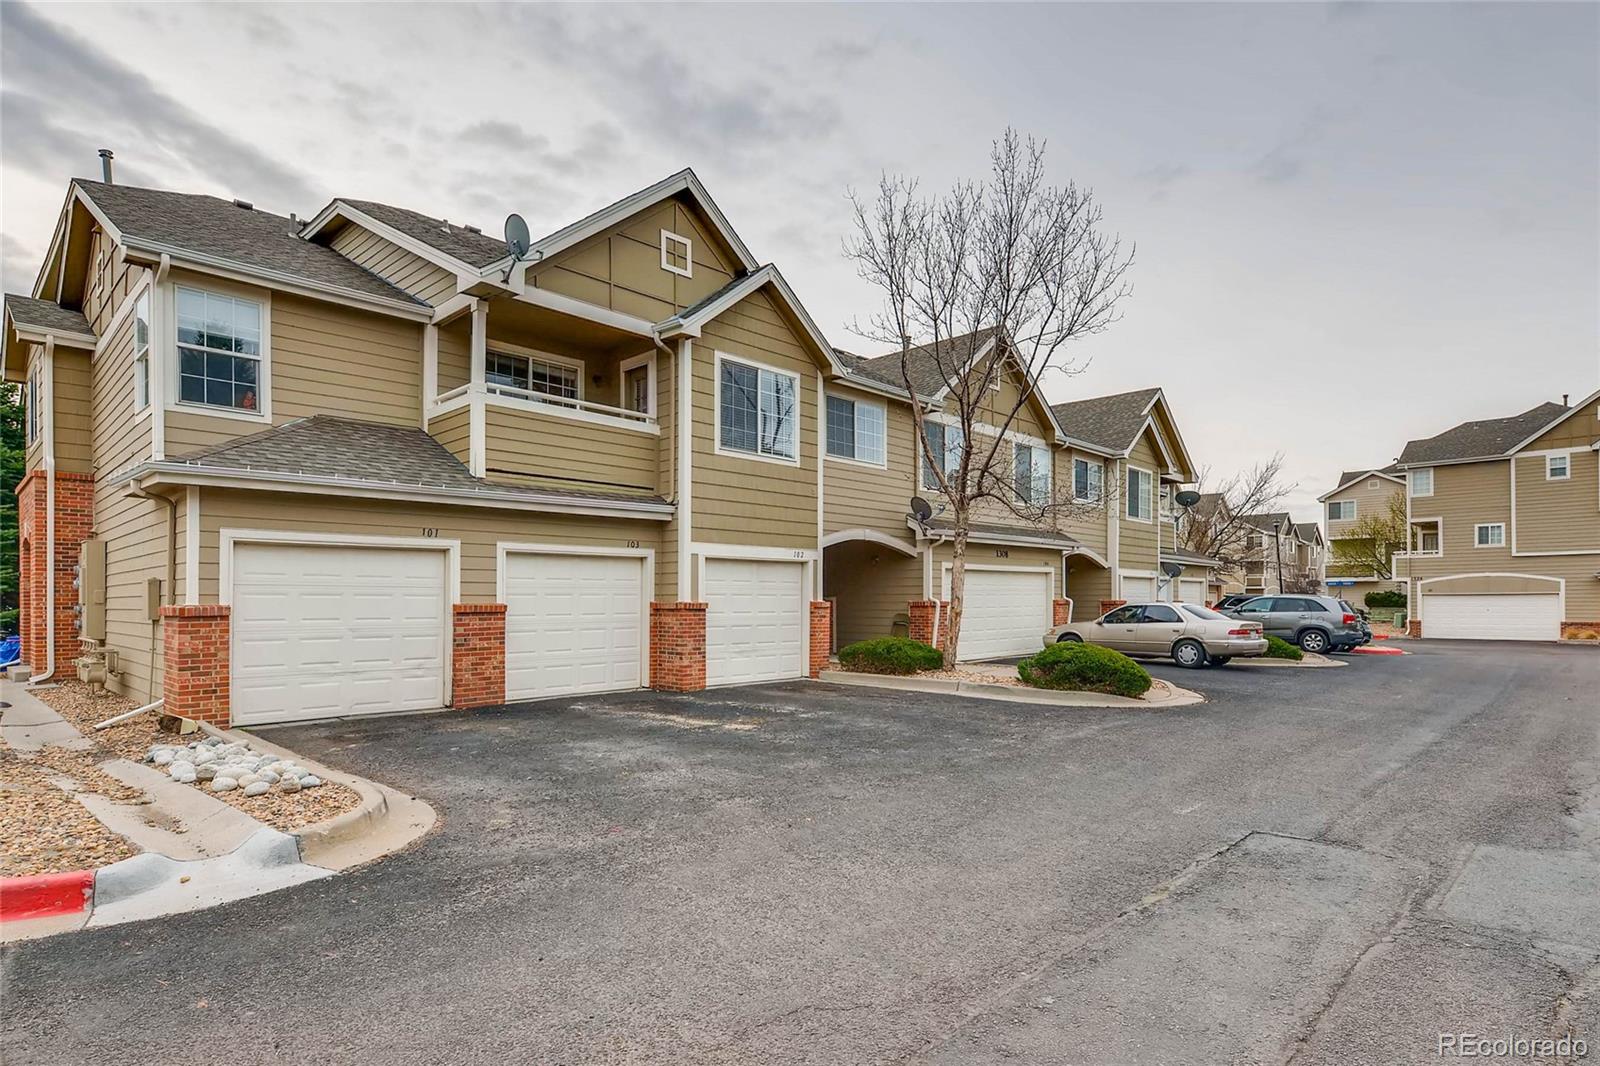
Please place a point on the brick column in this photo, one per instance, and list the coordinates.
(1060, 612)
(1413, 627)
(922, 614)
(195, 678)
(478, 655)
(678, 647)
(74, 523)
(821, 635)
(1110, 605)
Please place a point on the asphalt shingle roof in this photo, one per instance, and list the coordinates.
(1351, 475)
(1267, 520)
(1307, 531)
(1182, 555)
(219, 229)
(1483, 439)
(46, 315)
(981, 529)
(467, 245)
(1109, 422)
(929, 366)
(332, 447)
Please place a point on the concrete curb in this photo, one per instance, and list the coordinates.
(1312, 661)
(45, 895)
(1180, 697)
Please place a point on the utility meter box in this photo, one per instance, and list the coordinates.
(92, 588)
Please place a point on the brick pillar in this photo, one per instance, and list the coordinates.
(678, 647)
(1110, 605)
(478, 655)
(1060, 612)
(194, 643)
(74, 522)
(922, 614)
(821, 635)
(1413, 627)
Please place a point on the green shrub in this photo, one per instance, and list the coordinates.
(1386, 599)
(890, 655)
(1084, 668)
(1278, 648)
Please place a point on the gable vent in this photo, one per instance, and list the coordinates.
(244, 205)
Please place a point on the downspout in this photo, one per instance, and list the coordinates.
(172, 568)
(49, 423)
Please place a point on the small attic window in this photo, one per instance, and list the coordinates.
(677, 254)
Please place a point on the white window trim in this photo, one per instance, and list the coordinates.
(32, 401)
(1549, 462)
(168, 294)
(143, 386)
(646, 360)
(883, 409)
(949, 423)
(1501, 526)
(1090, 464)
(1409, 483)
(494, 347)
(668, 236)
(1342, 504)
(716, 410)
(1033, 471)
(1151, 476)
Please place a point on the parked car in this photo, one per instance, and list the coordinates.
(1229, 602)
(1194, 636)
(1316, 623)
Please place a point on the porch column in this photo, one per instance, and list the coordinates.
(477, 445)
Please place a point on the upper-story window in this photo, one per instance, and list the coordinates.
(944, 441)
(1031, 473)
(141, 351)
(33, 405)
(220, 353)
(1421, 481)
(1166, 502)
(1341, 510)
(1557, 467)
(677, 254)
(1088, 480)
(757, 409)
(534, 374)
(856, 430)
(1141, 493)
(1489, 535)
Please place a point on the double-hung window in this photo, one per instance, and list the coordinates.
(1141, 492)
(510, 370)
(1341, 510)
(1031, 473)
(1557, 467)
(758, 409)
(1088, 480)
(1421, 481)
(856, 430)
(1490, 535)
(219, 350)
(141, 351)
(944, 441)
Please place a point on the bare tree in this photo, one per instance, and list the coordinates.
(1013, 259)
(1220, 525)
(1368, 546)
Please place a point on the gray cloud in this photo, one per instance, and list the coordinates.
(20, 264)
(112, 104)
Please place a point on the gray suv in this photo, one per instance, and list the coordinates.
(1316, 623)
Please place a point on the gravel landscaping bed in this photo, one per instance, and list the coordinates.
(980, 677)
(43, 829)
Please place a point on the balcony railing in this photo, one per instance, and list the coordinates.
(586, 410)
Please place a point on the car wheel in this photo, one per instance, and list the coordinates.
(1069, 638)
(1314, 641)
(1221, 660)
(1189, 654)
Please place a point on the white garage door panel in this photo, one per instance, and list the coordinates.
(1006, 612)
(755, 620)
(321, 631)
(1529, 617)
(1191, 590)
(1138, 589)
(574, 623)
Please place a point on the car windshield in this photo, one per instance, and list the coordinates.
(1197, 611)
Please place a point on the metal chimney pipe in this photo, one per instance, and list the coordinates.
(105, 166)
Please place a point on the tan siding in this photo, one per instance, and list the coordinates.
(455, 353)
(1084, 522)
(1371, 495)
(666, 473)
(872, 586)
(406, 270)
(454, 431)
(478, 529)
(1580, 430)
(1137, 544)
(857, 496)
(108, 286)
(72, 410)
(567, 453)
(1558, 515)
(739, 500)
(1087, 584)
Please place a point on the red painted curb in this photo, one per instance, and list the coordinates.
(45, 894)
(1381, 636)
(1367, 649)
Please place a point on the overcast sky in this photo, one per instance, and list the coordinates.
(1356, 223)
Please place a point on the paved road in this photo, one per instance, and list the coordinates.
(1317, 866)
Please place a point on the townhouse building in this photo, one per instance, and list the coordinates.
(1504, 526)
(371, 461)
(1358, 495)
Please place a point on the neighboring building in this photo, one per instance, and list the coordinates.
(1504, 519)
(1309, 568)
(370, 462)
(1358, 494)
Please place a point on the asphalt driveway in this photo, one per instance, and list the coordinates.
(1323, 865)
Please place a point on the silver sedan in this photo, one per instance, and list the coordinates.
(1192, 635)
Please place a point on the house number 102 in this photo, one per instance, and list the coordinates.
(1001, 553)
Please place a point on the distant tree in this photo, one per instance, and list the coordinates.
(1014, 258)
(1219, 527)
(12, 458)
(1368, 546)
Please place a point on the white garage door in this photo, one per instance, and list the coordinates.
(1006, 612)
(574, 623)
(1138, 589)
(755, 620)
(325, 631)
(1526, 617)
(1192, 590)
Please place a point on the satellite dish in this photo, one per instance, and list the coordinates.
(1171, 569)
(920, 508)
(1188, 498)
(518, 240)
